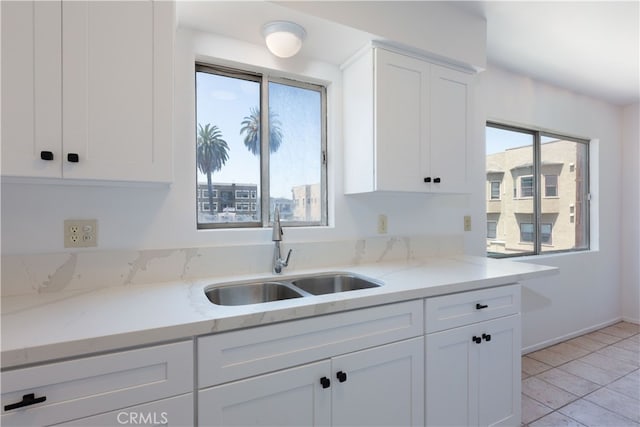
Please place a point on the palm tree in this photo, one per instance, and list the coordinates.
(212, 152)
(251, 129)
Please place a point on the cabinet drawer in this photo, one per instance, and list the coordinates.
(92, 385)
(450, 311)
(240, 354)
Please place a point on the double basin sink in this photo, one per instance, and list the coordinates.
(267, 290)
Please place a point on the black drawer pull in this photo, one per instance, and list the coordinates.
(325, 382)
(427, 179)
(481, 306)
(436, 180)
(46, 155)
(476, 340)
(27, 400)
(486, 337)
(342, 376)
(73, 157)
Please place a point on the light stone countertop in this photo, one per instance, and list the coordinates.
(43, 327)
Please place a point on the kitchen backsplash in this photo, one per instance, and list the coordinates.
(78, 271)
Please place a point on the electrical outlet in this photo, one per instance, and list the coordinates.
(467, 223)
(80, 233)
(382, 224)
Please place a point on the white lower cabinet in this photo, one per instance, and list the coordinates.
(382, 386)
(94, 390)
(473, 374)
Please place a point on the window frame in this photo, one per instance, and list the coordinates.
(491, 190)
(263, 196)
(495, 229)
(538, 195)
(546, 186)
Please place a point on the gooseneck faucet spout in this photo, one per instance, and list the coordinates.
(278, 262)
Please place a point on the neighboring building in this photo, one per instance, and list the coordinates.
(307, 202)
(229, 201)
(510, 191)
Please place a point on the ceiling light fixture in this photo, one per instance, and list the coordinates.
(283, 38)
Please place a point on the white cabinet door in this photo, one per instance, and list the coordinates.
(290, 397)
(31, 88)
(401, 122)
(473, 374)
(381, 386)
(172, 412)
(499, 381)
(117, 87)
(449, 129)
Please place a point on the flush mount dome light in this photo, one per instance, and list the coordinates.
(283, 38)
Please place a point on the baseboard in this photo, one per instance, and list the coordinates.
(571, 335)
(630, 320)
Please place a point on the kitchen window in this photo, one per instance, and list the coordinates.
(259, 137)
(535, 165)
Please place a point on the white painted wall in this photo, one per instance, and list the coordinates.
(143, 217)
(586, 293)
(630, 213)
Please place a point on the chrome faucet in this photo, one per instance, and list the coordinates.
(278, 262)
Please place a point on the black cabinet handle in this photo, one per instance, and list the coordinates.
(486, 337)
(436, 180)
(73, 157)
(342, 376)
(476, 340)
(27, 399)
(427, 179)
(481, 306)
(325, 382)
(46, 155)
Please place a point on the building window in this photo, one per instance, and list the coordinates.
(539, 218)
(495, 190)
(526, 186)
(551, 186)
(492, 229)
(259, 138)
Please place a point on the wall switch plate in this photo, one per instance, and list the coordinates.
(467, 223)
(80, 233)
(382, 224)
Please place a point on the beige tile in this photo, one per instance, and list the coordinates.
(524, 375)
(617, 331)
(593, 415)
(550, 357)
(587, 343)
(629, 385)
(546, 393)
(608, 363)
(603, 338)
(533, 367)
(532, 410)
(569, 382)
(628, 326)
(590, 372)
(629, 344)
(556, 419)
(570, 350)
(616, 402)
(621, 355)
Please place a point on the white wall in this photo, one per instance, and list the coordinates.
(630, 214)
(143, 217)
(586, 293)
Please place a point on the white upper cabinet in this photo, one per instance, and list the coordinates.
(92, 90)
(406, 124)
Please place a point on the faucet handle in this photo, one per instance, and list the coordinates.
(286, 261)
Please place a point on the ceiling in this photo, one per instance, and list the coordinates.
(590, 47)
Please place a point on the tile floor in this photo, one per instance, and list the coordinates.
(592, 380)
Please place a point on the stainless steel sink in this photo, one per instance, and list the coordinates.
(332, 283)
(251, 293)
(261, 291)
